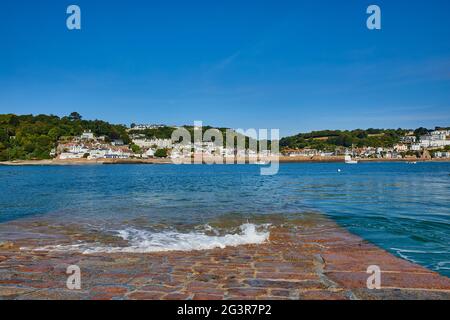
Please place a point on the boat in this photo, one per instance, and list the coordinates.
(412, 162)
(261, 162)
(348, 160)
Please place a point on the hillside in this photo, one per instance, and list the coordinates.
(32, 137)
(28, 137)
(329, 140)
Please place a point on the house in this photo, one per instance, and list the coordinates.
(441, 133)
(147, 143)
(408, 139)
(437, 138)
(265, 153)
(97, 154)
(118, 153)
(161, 143)
(75, 151)
(441, 154)
(400, 147)
(149, 153)
(148, 126)
(68, 155)
(87, 135)
(117, 142)
(302, 153)
(326, 154)
(368, 152)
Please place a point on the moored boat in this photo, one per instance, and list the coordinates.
(348, 160)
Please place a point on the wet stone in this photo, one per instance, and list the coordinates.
(312, 260)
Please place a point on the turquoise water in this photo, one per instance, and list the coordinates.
(401, 207)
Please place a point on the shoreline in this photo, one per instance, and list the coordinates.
(315, 259)
(75, 162)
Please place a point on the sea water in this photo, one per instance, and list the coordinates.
(403, 208)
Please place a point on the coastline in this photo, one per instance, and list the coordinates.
(315, 259)
(283, 159)
(75, 162)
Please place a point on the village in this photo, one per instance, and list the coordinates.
(434, 145)
(90, 147)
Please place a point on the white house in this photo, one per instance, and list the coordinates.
(68, 155)
(117, 154)
(149, 153)
(147, 143)
(437, 138)
(74, 152)
(87, 135)
(408, 139)
(441, 154)
(97, 154)
(147, 126)
(400, 147)
(441, 133)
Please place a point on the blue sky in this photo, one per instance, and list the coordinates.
(293, 65)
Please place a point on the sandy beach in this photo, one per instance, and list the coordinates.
(312, 259)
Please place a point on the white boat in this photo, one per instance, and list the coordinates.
(261, 162)
(348, 160)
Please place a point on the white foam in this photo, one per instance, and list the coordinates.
(143, 241)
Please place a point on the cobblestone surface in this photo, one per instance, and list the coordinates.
(312, 260)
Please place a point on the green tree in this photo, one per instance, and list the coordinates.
(74, 116)
(421, 131)
(135, 148)
(161, 153)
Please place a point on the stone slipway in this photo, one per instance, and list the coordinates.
(314, 259)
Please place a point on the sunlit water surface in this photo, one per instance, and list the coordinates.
(401, 207)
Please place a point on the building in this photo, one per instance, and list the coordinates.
(150, 143)
(302, 153)
(149, 153)
(440, 133)
(148, 126)
(435, 139)
(117, 142)
(400, 147)
(408, 139)
(441, 154)
(161, 143)
(118, 153)
(74, 151)
(97, 154)
(87, 135)
(68, 155)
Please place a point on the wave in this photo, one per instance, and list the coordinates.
(413, 255)
(143, 241)
(419, 251)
